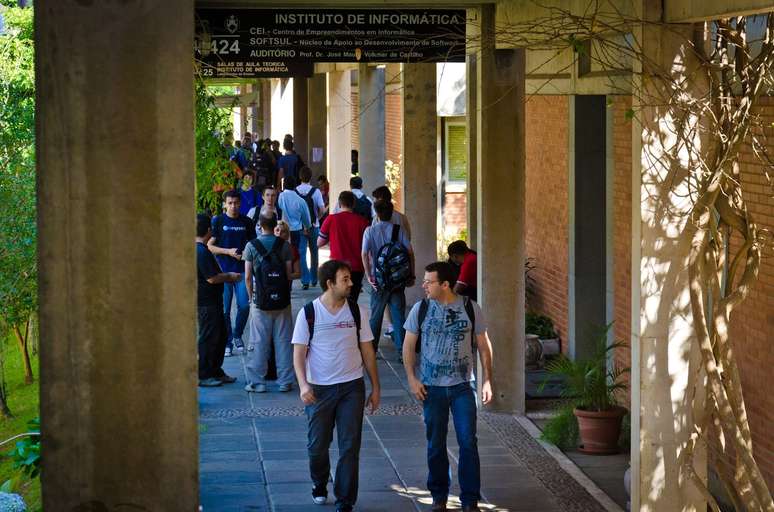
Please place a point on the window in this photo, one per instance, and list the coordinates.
(455, 152)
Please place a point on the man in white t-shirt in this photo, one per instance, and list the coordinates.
(332, 343)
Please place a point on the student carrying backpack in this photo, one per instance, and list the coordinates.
(392, 265)
(309, 199)
(363, 207)
(271, 291)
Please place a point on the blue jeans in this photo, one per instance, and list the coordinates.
(380, 299)
(243, 308)
(340, 406)
(309, 272)
(461, 400)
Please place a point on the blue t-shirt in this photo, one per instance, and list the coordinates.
(232, 234)
(250, 198)
(289, 163)
(446, 358)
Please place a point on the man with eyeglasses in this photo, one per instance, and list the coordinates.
(446, 329)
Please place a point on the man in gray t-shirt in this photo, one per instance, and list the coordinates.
(273, 324)
(448, 326)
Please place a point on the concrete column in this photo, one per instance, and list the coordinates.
(471, 117)
(420, 173)
(501, 191)
(254, 112)
(665, 358)
(117, 289)
(317, 117)
(266, 107)
(339, 132)
(301, 117)
(372, 151)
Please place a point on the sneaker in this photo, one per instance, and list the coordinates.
(228, 352)
(227, 379)
(255, 388)
(471, 508)
(438, 506)
(319, 495)
(238, 345)
(210, 383)
(343, 508)
(284, 388)
(305, 286)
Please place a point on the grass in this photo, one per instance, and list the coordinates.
(23, 400)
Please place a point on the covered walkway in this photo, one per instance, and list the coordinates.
(253, 452)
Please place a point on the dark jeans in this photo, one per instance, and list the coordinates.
(357, 285)
(295, 239)
(396, 299)
(340, 406)
(461, 400)
(211, 341)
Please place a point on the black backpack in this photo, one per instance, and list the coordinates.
(468, 309)
(353, 308)
(392, 265)
(363, 207)
(271, 288)
(309, 199)
(264, 175)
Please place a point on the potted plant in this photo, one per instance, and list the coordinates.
(543, 327)
(591, 410)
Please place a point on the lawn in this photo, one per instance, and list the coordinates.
(23, 400)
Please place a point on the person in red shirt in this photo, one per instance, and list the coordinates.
(465, 258)
(344, 231)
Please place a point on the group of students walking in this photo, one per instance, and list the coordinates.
(333, 343)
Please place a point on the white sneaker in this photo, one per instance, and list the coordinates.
(255, 388)
(228, 352)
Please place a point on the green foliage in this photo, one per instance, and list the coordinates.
(18, 232)
(538, 324)
(26, 453)
(588, 383)
(588, 386)
(214, 171)
(562, 429)
(23, 400)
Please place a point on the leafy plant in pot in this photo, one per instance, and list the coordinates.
(591, 409)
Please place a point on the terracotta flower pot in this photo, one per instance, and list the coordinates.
(600, 430)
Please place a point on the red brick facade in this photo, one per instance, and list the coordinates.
(455, 212)
(547, 207)
(752, 324)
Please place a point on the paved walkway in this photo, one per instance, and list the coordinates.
(253, 453)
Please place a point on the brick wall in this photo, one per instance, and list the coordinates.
(393, 128)
(455, 212)
(546, 205)
(752, 324)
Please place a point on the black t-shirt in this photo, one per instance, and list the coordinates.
(206, 267)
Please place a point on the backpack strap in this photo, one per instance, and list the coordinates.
(260, 248)
(277, 246)
(395, 229)
(472, 315)
(423, 306)
(309, 315)
(355, 310)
